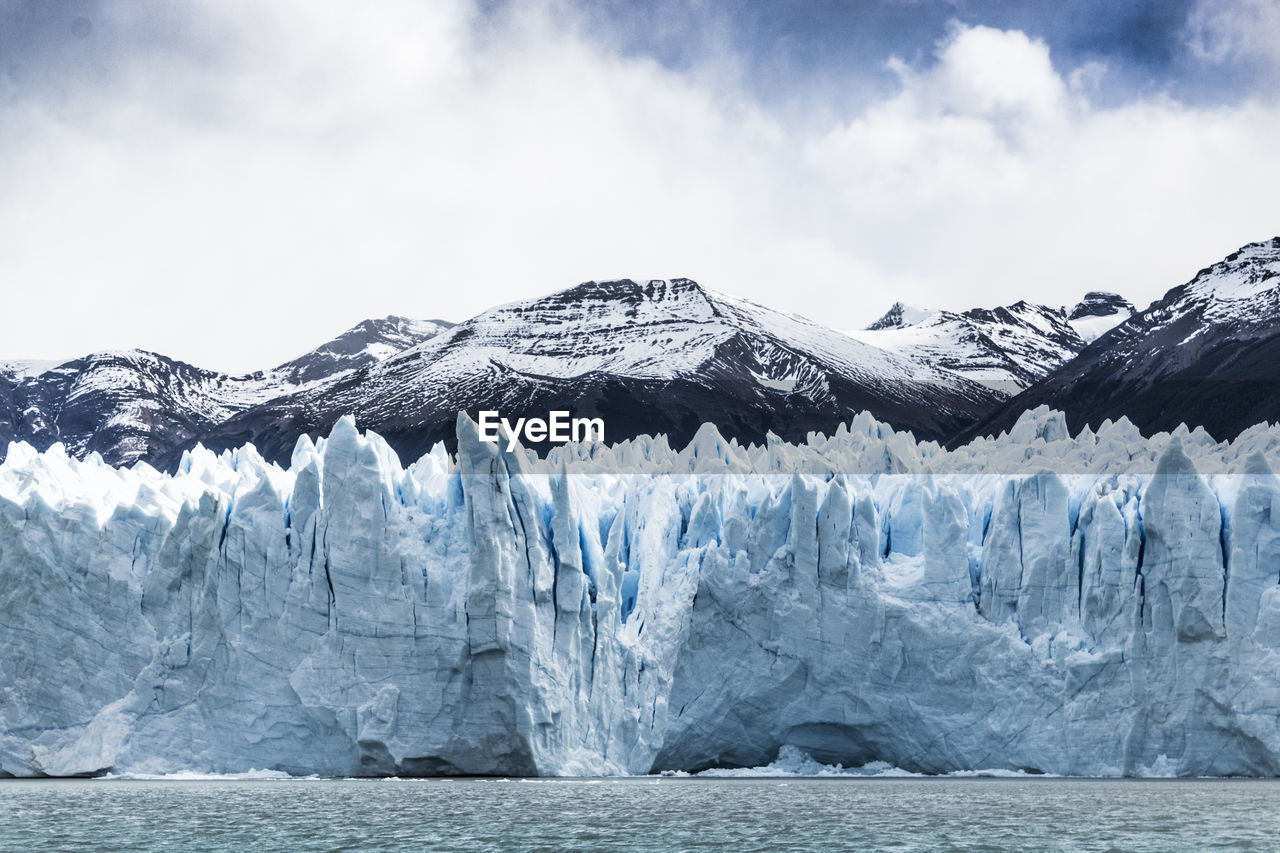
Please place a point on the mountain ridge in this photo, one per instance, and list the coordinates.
(1006, 348)
(130, 405)
(648, 357)
(665, 356)
(1205, 354)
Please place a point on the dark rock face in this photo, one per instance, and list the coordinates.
(1206, 354)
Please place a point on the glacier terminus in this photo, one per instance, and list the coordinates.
(1106, 603)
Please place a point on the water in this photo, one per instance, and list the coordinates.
(641, 814)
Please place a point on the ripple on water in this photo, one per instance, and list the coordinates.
(642, 814)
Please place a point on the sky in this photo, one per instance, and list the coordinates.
(231, 182)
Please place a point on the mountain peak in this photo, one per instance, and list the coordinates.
(365, 343)
(1100, 303)
(899, 316)
(1098, 313)
(628, 291)
(396, 324)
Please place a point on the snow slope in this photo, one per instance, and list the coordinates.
(1097, 604)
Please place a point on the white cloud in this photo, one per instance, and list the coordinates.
(1133, 198)
(992, 74)
(1222, 30)
(316, 165)
(1088, 77)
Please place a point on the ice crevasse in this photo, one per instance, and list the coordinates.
(1100, 604)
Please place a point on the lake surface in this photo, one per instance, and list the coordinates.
(642, 814)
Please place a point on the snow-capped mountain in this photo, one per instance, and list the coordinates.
(1005, 348)
(1206, 354)
(118, 404)
(135, 405)
(667, 356)
(647, 357)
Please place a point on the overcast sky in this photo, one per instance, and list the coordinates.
(231, 182)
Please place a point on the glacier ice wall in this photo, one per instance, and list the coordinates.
(1103, 604)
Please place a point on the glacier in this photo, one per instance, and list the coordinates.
(1097, 604)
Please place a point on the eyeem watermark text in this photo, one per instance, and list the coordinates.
(558, 426)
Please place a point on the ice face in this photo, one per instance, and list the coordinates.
(1101, 604)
